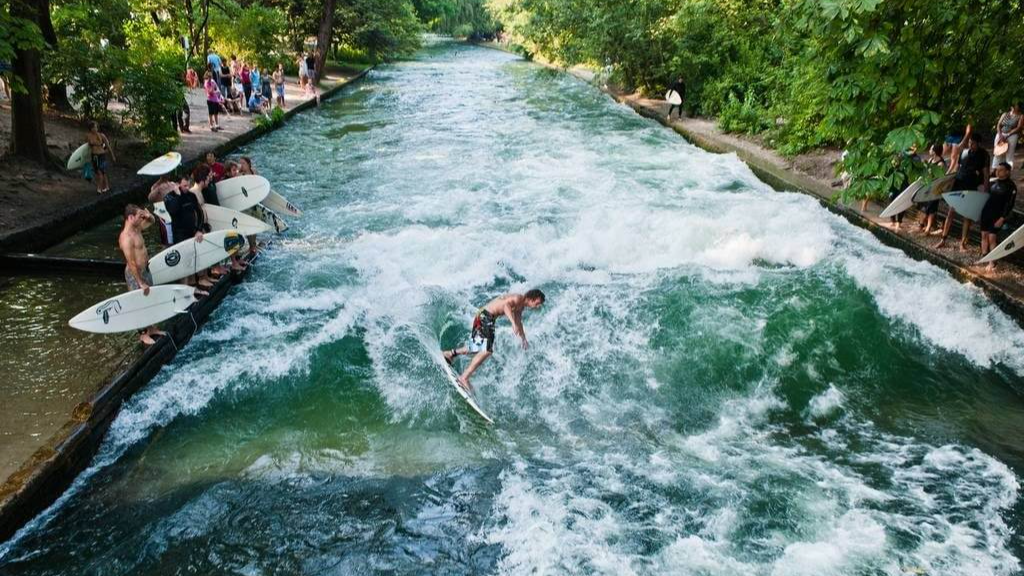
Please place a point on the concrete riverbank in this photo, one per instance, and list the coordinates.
(1005, 286)
(67, 445)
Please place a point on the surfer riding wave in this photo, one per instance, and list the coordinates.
(481, 341)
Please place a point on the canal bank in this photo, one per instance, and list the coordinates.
(1005, 287)
(58, 417)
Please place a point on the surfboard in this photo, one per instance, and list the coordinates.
(161, 165)
(673, 97)
(934, 190)
(242, 192)
(1012, 243)
(160, 210)
(967, 203)
(277, 224)
(79, 157)
(904, 201)
(454, 381)
(135, 310)
(221, 218)
(281, 205)
(188, 257)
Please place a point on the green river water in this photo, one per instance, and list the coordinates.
(725, 380)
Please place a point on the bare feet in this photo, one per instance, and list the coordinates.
(941, 243)
(204, 284)
(963, 246)
(146, 339)
(466, 385)
(200, 293)
(155, 332)
(449, 356)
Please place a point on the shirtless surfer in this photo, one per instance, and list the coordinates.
(136, 257)
(481, 341)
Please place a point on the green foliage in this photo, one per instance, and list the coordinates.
(252, 33)
(272, 120)
(16, 34)
(459, 18)
(745, 117)
(151, 86)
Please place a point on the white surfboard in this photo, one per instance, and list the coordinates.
(135, 310)
(1012, 243)
(276, 223)
(161, 165)
(904, 201)
(673, 97)
(281, 205)
(79, 157)
(242, 192)
(188, 257)
(454, 381)
(934, 190)
(160, 210)
(221, 218)
(967, 203)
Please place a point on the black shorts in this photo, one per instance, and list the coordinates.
(482, 337)
(931, 207)
(212, 107)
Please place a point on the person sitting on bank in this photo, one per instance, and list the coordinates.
(100, 150)
(680, 88)
(136, 258)
(258, 104)
(998, 208)
(971, 168)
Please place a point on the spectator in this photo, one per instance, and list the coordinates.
(191, 78)
(217, 170)
(1008, 130)
(234, 102)
(213, 61)
(213, 101)
(234, 66)
(99, 148)
(279, 84)
(246, 82)
(311, 68)
(971, 174)
(930, 209)
(225, 80)
(254, 76)
(257, 104)
(265, 89)
(998, 208)
(303, 71)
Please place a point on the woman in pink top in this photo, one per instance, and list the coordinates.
(213, 100)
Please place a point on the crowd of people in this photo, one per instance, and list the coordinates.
(184, 198)
(973, 168)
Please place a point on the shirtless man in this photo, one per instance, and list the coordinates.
(482, 338)
(136, 257)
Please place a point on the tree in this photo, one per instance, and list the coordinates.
(324, 36)
(28, 134)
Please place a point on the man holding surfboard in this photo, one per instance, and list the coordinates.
(136, 257)
(481, 341)
(971, 170)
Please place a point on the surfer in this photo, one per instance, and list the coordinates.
(136, 258)
(971, 170)
(187, 221)
(679, 87)
(998, 208)
(481, 341)
(99, 148)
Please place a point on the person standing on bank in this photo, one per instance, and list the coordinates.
(311, 68)
(971, 170)
(680, 88)
(1008, 130)
(99, 149)
(136, 258)
(997, 209)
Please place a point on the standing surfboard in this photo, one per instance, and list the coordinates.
(967, 203)
(934, 190)
(281, 205)
(188, 257)
(221, 218)
(161, 165)
(454, 381)
(904, 201)
(135, 310)
(276, 223)
(79, 157)
(1012, 243)
(242, 192)
(673, 97)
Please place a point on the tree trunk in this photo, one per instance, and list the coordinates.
(323, 38)
(28, 136)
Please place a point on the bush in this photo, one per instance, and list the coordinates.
(743, 117)
(273, 120)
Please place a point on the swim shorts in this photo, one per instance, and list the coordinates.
(482, 337)
(99, 163)
(129, 279)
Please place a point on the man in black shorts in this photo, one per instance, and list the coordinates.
(998, 208)
(482, 338)
(971, 174)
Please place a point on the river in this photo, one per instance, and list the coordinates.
(724, 379)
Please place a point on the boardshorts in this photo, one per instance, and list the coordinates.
(129, 278)
(482, 337)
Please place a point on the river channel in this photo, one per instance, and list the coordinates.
(725, 379)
